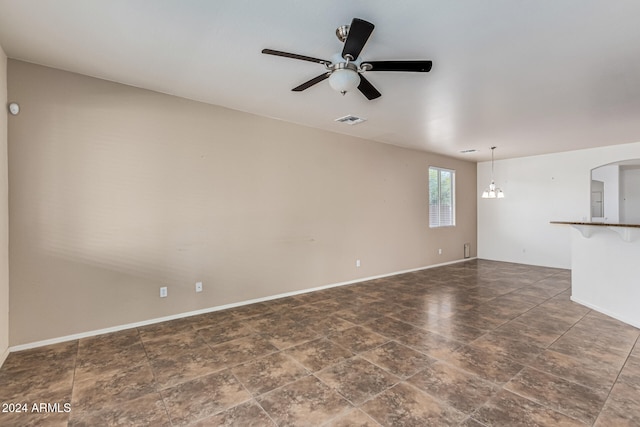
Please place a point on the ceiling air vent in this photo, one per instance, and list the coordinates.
(351, 120)
(472, 150)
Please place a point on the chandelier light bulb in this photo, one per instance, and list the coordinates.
(492, 192)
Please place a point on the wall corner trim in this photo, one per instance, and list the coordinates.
(4, 355)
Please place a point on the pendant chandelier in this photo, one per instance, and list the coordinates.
(492, 192)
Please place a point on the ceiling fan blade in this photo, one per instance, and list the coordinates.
(367, 89)
(359, 32)
(295, 56)
(415, 66)
(308, 84)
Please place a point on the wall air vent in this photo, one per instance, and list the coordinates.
(351, 120)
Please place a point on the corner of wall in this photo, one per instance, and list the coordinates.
(4, 214)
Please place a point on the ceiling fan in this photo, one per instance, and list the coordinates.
(346, 71)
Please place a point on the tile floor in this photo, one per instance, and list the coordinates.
(478, 343)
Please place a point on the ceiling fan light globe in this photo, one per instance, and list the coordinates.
(344, 80)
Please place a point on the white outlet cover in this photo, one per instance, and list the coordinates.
(198, 286)
(163, 292)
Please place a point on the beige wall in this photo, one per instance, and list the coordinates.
(4, 214)
(116, 191)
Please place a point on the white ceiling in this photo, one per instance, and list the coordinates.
(528, 76)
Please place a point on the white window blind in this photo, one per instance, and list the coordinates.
(442, 212)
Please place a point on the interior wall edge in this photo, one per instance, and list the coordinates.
(4, 355)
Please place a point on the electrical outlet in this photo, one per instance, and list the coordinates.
(358, 263)
(198, 286)
(163, 292)
(439, 251)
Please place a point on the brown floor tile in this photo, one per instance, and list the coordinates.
(615, 335)
(455, 333)
(549, 310)
(630, 373)
(574, 400)
(358, 339)
(583, 371)
(203, 397)
(622, 407)
(405, 405)
(266, 373)
(251, 310)
(43, 359)
(33, 380)
(357, 379)
(508, 409)
(22, 385)
(289, 335)
(326, 326)
(636, 350)
(353, 418)
(398, 359)
(522, 331)
(387, 306)
(161, 346)
(115, 350)
(461, 390)
(318, 354)
(146, 410)
(116, 357)
(470, 422)
(175, 368)
(593, 347)
(485, 319)
(430, 343)
(94, 391)
(211, 319)
(516, 304)
(248, 414)
(484, 363)
(326, 306)
(518, 351)
(166, 329)
(421, 317)
(304, 402)
(390, 328)
(358, 315)
(268, 322)
(241, 350)
(223, 332)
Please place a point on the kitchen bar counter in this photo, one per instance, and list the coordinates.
(627, 232)
(605, 268)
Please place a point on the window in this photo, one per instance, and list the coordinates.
(442, 191)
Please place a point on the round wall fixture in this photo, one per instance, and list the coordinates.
(14, 108)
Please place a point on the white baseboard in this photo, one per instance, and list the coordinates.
(212, 309)
(603, 311)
